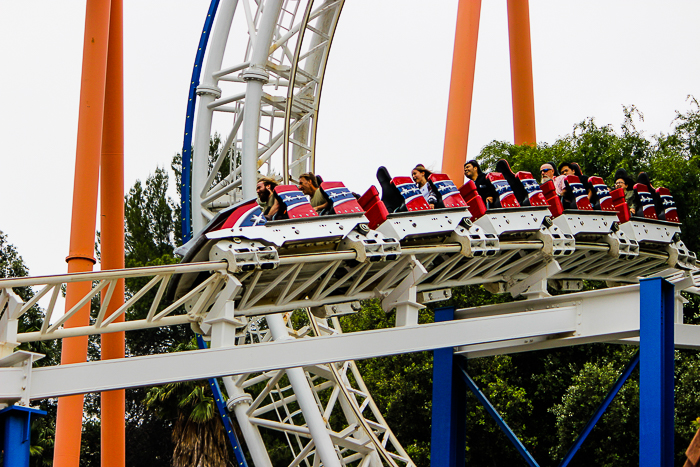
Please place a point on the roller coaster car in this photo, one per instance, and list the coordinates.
(246, 240)
(403, 213)
(529, 220)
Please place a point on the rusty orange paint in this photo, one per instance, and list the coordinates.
(521, 72)
(82, 238)
(459, 105)
(113, 446)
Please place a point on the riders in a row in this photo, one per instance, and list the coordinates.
(554, 179)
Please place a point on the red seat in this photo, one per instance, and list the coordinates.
(375, 210)
(549, 192)
(411, 194)
(370, 198)
(579, 192)
(617, 198)
(340, 197)
(669, 205)
(294, 203)
(533, 189)
(505, 192)
(449, 196)
(602, 193)
(471, 196)
(646, 200)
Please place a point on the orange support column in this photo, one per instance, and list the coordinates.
(459, 106)
(113, 450)
(521, 72)
(69, 417)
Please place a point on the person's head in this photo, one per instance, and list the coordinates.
(264, 188)
(472, 169)
(548, 171)
(623, 180)
(567, 168)
(420, 174)
(307, 183)
(621, 183)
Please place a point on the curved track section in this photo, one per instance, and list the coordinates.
(268, 98)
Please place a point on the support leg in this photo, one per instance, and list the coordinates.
(656, 373)
(15, 423)
(447, 445)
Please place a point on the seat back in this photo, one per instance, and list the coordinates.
(578, 192)
(341, 199)
(447, 191)
(617, 197)
(602, 194)
(646, 200)
(668, 204)
(516, 185)
(549, 192)
(374, 208)
(410, 193)
(505, 193)
(246, 215)
(471, 196)
(293, 203)
(370, 198)
(532, 188)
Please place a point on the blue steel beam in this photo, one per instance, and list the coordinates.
(601, 410)
(16, 430)
(186, 176)
(499, 420)
(448, 430)
(656, 344)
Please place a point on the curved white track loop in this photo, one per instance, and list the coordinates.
(273, 96)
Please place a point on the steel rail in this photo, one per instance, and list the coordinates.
(128, 273)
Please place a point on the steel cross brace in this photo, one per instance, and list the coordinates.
(404, 296)
(601, 410)
(497, 417)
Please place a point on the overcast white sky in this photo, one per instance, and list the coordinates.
(384, 98)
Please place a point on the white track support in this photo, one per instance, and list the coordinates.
(223, 334)
(315, 422)
(404, 298)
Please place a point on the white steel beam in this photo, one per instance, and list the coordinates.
(201, 364)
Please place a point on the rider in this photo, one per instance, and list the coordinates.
(485, 189)
(266, 198)
(420, 175)
(308, 184)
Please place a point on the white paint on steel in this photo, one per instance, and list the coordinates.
(305, 398)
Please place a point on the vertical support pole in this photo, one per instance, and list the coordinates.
(656, 373)
(113, 445)
(459, 105)
(448, 436)
(521, 72)
(223, 333)
(314, 420)
(69, 417)
(15, 426)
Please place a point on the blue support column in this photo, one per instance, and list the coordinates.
(16, 430)
(448, 437)
(656, 373)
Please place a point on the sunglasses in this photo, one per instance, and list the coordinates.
(545, 170)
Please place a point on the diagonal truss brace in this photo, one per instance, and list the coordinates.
(404, 298)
